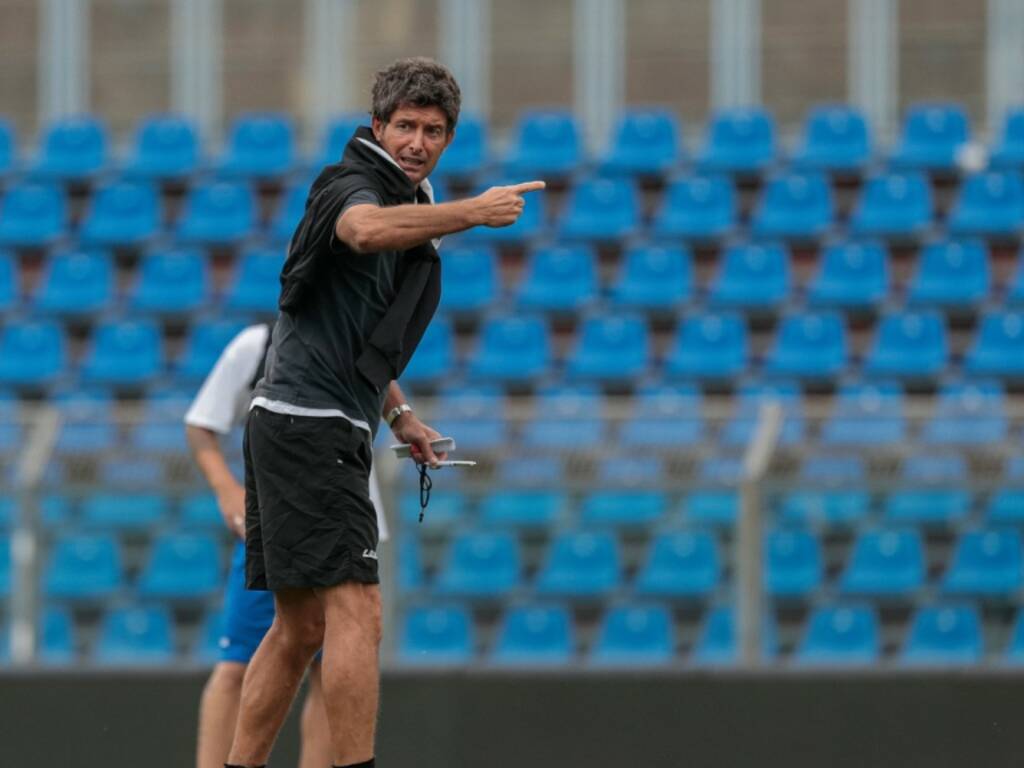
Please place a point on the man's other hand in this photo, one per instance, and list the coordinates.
(501, 206)
(409, 429)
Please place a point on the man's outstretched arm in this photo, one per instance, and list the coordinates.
(369, 228)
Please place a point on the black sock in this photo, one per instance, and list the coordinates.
(368, 764)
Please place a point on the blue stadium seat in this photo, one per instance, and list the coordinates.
(135, 635)
(410, 577)
(200, 511)
(601, 210)
(719, 470)
(635, 473)
(998, 346)
(893, 205)
(634, 635)
(218, 212)
(470, 280)
(739, 141)
(88, 425)
(793, 564)
(72, 148)
(1015, 648)
(336, 136)
(929, 506)
(566, 418)
(866, 415)
(794, 205)
(713, 346)
(256, 284)
(5, 565)
(909, 344)
(435, 356)
(944, 634)
(534, 634)
(522, 508)
(260, 144)
(527, 227)
(667, 417)
(885, 563)
(165, 147)
(124, 511)
(122, 213)
(10, 288)
(77, 282)
(181, 566)
(717, 645)
(644, 141)
(634, 508)
(467, 153)
(10, 439)
(56, 637)
(480, 565)
(968, 414)
(852, 275)
(1006, 506)
(581, 565)
(832, 508)
(474, 416)
(612, 347)
(836, 137)
(697, 208)
(32, 352)
(1008, 152)
(204, 342)
(33, 214)
(843, 634)
(171, 281)
(559, 279)
(446, 508)
(124, 353)
(160, 428)
(512, 348)
(990, 203)
(811, 345)
(932, 134)
(84, 567)
(651, 277)
(8, 147)
(288, 213)
(752, 276)
(951, 273)
(681, 564)
(739, 430)
(532, 471)
(436, 636)
(985, 563)
(938, 469)
(546, 143)
(711, 508)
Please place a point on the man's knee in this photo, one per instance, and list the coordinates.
(299, 623)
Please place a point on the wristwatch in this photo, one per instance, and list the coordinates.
(397, 411)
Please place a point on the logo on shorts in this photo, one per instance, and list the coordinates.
(370, 553)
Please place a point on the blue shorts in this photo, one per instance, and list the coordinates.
(248, 613)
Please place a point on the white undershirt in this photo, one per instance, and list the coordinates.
(223, 399)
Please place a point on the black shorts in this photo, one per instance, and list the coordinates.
(309, 521)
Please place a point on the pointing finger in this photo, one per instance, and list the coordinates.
(527, 186)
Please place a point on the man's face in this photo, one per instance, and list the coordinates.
(415, 137)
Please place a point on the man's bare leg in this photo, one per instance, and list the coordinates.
(275, 672)
(351, 677)
(316, 734)
(218, 711)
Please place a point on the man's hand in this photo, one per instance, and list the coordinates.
(501, 206)
(409, 429)
(231, 501)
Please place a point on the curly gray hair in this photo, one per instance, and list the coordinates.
(416, 82)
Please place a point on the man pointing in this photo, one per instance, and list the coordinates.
(359, 287)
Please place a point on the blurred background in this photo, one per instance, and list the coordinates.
(744, 383)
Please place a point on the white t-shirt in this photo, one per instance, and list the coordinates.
(223, 400)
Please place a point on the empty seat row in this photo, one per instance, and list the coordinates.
(645, 634)
(814, 345)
